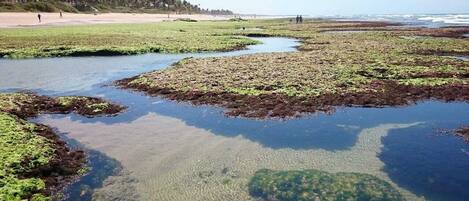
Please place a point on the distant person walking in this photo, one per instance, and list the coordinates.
(39, 17)
(301, 18)
(61, 14)
(297, 19)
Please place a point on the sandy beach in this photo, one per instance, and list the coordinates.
(14, 19)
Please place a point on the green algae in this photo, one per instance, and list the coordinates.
(21, 150)
(68, 101)
(318, 185)
(98, 107)
(71, 101)
(327, 63)
(30, 104)
(88, 106)
(10, 102)
(122, 39)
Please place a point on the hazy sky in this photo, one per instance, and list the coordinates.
(338, 7)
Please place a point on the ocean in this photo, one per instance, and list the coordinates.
(418, 20)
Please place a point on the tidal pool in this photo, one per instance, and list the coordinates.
(165, 150)
(464, 58)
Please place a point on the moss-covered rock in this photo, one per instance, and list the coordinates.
(318, 185)
(88, 106)
(125, 39)
(21, 150)
(337, 66)
(30, 104)
(33, 160)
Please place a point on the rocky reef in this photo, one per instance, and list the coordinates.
(34, 162)
(318, 185)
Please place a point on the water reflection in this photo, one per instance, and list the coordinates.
(320, 131)
(430, 165)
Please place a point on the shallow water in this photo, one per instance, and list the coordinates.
(438, 175)
(175, 151)
(81, 74)
(463, 58)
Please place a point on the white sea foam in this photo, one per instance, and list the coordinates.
(448, 19)
(426, 20)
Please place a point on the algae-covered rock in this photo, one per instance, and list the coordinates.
(34, 162)
(19, 142)
(319, 185)
(463, 132)
(30, 105)
(88, 106)
(375, 67)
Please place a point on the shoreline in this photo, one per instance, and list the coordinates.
(273, 106)
(29, 19)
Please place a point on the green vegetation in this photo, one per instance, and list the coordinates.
(15, 102)
(68, 101)
(148, 6)
(44, 6)
(94, 107)
(380, 66)
(328, 63)
(23, 148)
(186, 20)
(318, 185)
(73, 101)
(29, 105)
(357, 68)
(124, 39)
(238, 19)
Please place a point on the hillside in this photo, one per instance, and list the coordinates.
(87, 6)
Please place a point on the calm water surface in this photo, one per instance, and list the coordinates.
(156, 149)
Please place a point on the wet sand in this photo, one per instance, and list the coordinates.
(165, 159)
(14, 19)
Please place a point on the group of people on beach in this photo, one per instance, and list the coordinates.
(299, 19)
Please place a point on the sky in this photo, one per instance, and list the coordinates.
(337, 7)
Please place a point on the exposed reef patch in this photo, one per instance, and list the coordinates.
(318, 185)
(35, 163)
(380, 67)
